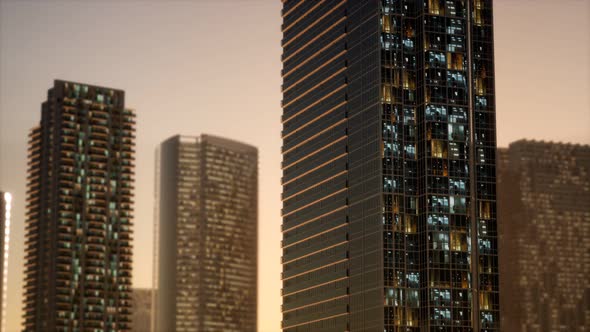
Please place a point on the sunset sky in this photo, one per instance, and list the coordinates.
(213, 66)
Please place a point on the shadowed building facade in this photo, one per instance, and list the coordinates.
(208, 235)
(142, 310)
(389, 204)
(5, 217)
(544, 209)
(78, 250)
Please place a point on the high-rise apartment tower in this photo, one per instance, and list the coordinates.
(208, 226)
(79, 212)
(544, 213)
(389, 189)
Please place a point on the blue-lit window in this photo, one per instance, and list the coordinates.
(436, 113)
(413, 279)
(439, 204)
(481, 102)
(456, 79)
(458, 115)
(438, 220)
(456, 44)
(457, 132)
(455, 27)
(437, 59)
(439, 241)
(457, 187)
(410, 150)
(458, 205)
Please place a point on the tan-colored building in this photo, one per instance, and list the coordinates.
(207, 235)
(142, 310)
(544, 214)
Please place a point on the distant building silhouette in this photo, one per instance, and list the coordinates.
(79, 214)
(389, 188)
(5, 217)
(544, 213)
(207, 235)
(142, 310)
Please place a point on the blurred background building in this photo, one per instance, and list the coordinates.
(78, 250)
(544, 214)
(5, 216)
(142, 310)
(389, 145)
(208, 235)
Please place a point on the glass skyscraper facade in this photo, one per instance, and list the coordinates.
(389, 189)
(78, 231)
(544, 209)
(207, 235)
(5, 217)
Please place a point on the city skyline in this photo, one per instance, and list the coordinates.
(24, 79)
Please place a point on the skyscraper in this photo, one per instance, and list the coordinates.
(79, 212)
(5, 215)
(208, 235)
(389, 205)
(142, 310)
(544, 213)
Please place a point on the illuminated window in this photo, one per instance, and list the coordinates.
(457, 187)
(438, 220)
(457, 150)
(436, 7)
(409, 80)
(440, 278)
(437, 59)
(386, 23)
(456, 44)
(410, 150)
(458, 205)
(438, 149)
(411, 224)
(480, 86)
(396, 204)
(439, 203)
(413, 317)
(485, 210)
(386, 95)
(456, 79)
(439, 241)
(458, 115)
(413, 279)
(458, 241)
(455, 27)
(440, 297)
(485, 301)
(455, 61)
(436, 113)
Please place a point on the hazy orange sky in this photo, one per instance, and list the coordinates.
(213, 66)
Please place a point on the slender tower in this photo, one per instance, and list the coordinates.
(208, 235)
(5, 215)
(79, 212)
(389, 204)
